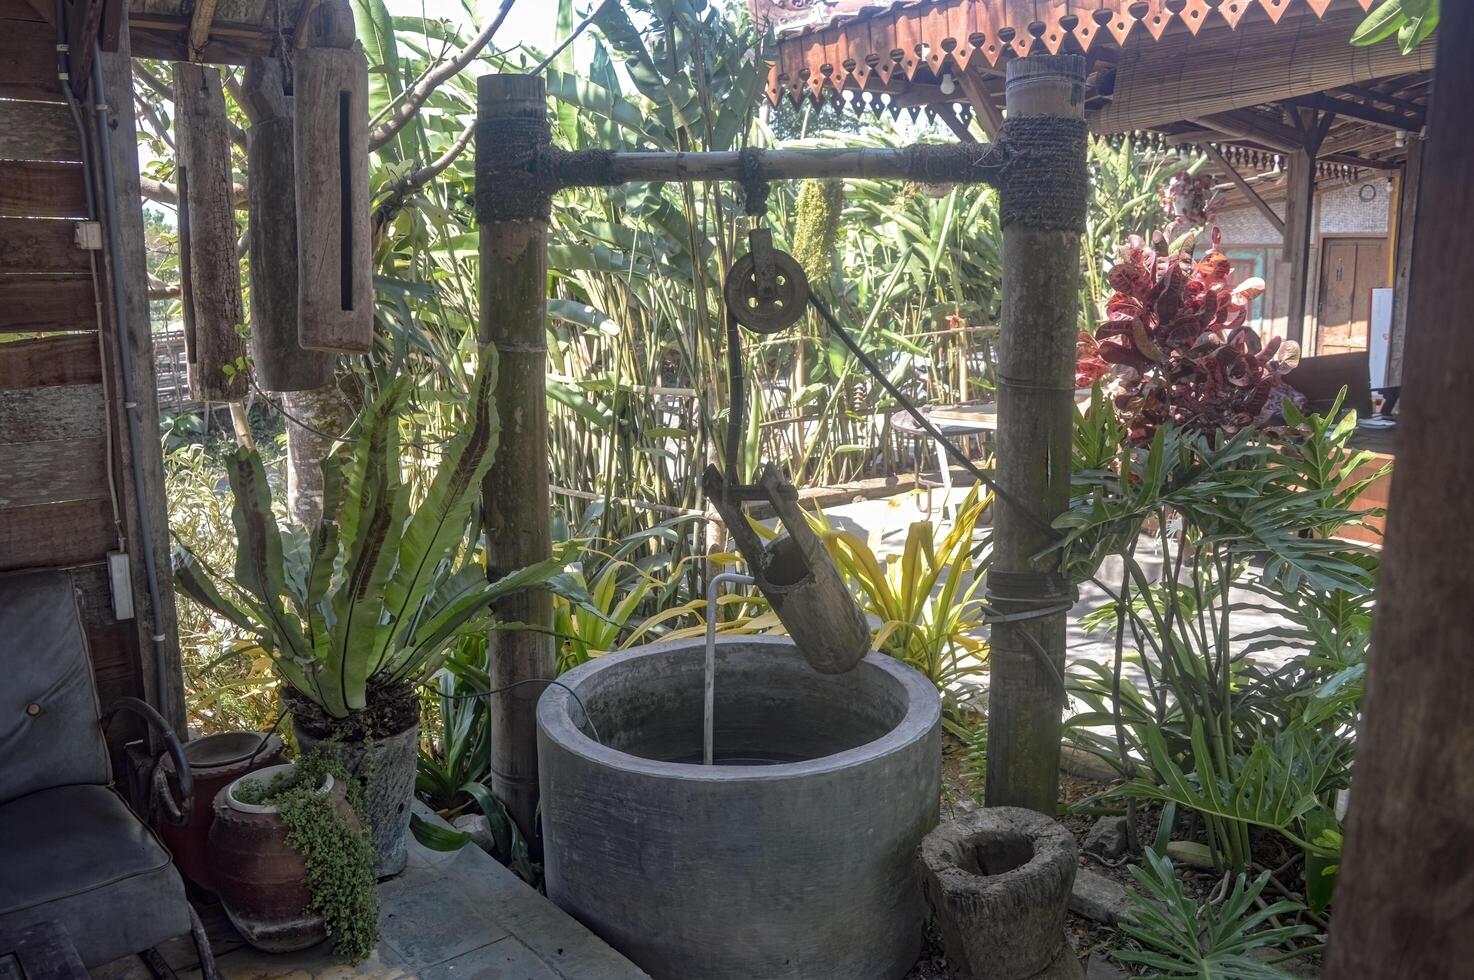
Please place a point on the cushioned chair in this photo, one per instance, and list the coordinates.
(71, 850)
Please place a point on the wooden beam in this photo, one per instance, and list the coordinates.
(163, 677)
(948, 115)
(1407, 215)
(1255, 128)
(1299, 211)
(1355, 110)
(199, 27)
(209, 270)
(984, 109)
(84, 21)
(1405, 868)
(1244, 187)
(1368, 92)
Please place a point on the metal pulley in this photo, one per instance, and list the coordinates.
(766, 290)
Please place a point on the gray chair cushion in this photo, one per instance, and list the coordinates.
(78, 855)
(48, 707)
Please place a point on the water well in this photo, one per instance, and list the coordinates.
(793, 856)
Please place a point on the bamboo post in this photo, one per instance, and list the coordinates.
(1041, 269)
(512, 208)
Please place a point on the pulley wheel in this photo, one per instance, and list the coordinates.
(772, 313)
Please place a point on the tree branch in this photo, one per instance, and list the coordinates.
(167, 194)
(422, 89)
(399, 190)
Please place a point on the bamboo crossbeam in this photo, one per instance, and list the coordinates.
(937, 162)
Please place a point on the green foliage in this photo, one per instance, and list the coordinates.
(1413, 21)
(339, 858)
(926, 598)
(1242, 746)
(1212, 941)
(231, 684)
(816, 228)
(377, 593)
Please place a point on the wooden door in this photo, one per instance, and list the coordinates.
(1350, 268)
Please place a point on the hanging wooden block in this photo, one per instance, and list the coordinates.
(209, 275)
(334, 252)
(281, 362)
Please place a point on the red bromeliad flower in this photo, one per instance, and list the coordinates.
(1174, 346)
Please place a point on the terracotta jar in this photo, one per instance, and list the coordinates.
(215, 761)
(262, 880)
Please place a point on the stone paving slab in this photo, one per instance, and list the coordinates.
(455, 915)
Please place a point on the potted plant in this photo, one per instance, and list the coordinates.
(292, 862)
(356, 615)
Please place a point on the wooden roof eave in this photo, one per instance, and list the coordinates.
(861, 39)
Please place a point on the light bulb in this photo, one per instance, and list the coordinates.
(948, 86)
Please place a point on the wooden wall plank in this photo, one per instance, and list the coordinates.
(49, 535)
(28, 61)
(38, 131)
(41, 189)
(54, 472)
(41, 245)
(20, 10)
(158, 665)
(70, 359)
(42, 303)
(51, 414)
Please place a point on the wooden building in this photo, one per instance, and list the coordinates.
(1292, 117)
(81, 472)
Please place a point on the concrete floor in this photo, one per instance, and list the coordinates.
(448, 916)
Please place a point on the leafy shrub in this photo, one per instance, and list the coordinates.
(1183, 938)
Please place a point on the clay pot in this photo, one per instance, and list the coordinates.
(215, 761)
(261, 880)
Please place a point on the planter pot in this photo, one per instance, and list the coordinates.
(385, 767)
(215, 761)
(261, 880)
(794, 857)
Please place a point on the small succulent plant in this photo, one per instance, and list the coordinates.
(1175, 346)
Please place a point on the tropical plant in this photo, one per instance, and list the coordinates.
(1126, 189)
(451, 770)
(339, 858)
(1175, 345)
(1413, 21)
(377, 594)
(1242, 747)
(926, 598)
(230, 681)
(1209, 940)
